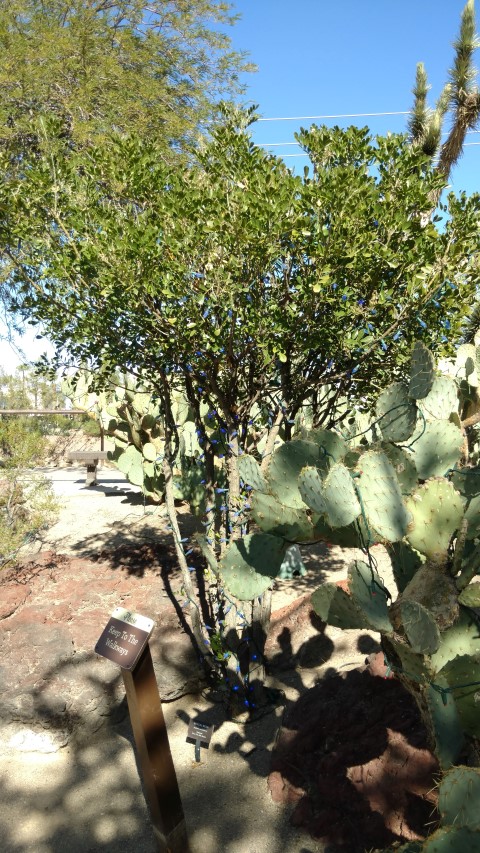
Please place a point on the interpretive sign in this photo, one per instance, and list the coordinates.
(200, 734)
(125, 642)
(124, 638)
(199, 731)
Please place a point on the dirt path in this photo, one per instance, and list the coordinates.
(85, 794)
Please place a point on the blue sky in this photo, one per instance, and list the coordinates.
(318, 57)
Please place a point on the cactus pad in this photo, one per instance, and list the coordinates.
(363, 607)
(467, 482)
(369, 595)
(472, 515)
(249, 565)
(380, 493)
(404, 466)
(449, 738)
(345, 537)
(332, 445)
(351, 458)
(285, 466)
(181, 410)
(436, 510)
(397, 413)
(310, 486)
(462, 638)
(189, 445)
(452, 839)
(249, 471)
(463, 675)
(405, 660)
(148, 422)
(466, 364)
(436, 448)
(131, 457)
(434, 588)
(141, 402)
(286, 521)
(149, 452)
(342, 506)
(442, 400)
(136, 474)
(334, 497)
(420, 627)
(470, 596)
(114, 455)
(459, 796)
(336, 607)
(422, 367)
(405, 562)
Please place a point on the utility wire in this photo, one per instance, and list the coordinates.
(339, 115)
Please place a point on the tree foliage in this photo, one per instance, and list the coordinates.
(94, 66)
(235, 274)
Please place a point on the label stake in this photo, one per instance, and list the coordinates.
(149, 729)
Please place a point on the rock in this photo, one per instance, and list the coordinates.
(54, 687)
(283, 791)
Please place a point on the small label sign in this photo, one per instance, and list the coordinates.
(124, 637)
(199, 731)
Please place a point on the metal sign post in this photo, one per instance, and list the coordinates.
(125, 641)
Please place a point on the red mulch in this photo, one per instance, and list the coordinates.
(352, 755)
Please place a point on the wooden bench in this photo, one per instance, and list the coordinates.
(90, 458)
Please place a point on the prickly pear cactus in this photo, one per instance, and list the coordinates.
(133, 418)
(411, 493)
(459, 829)
(250, 564)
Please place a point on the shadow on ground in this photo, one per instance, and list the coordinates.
(87, 796)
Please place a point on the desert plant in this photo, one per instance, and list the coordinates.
(459, 828)
(403, 486)
(27, 504)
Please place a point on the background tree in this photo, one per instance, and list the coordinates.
(78, 70)
(90, 67)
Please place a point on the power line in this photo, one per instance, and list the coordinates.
(339, 115)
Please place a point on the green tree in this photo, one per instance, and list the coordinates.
(90, 67)
(238, 284)
(245, 272)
